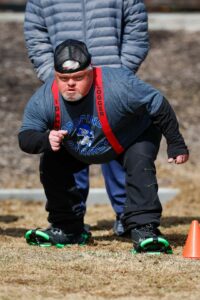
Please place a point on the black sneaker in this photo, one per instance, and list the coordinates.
(55, 237)
(148, 238)
(118, 227)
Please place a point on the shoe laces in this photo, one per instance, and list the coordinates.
(151, 228)
(55, 230)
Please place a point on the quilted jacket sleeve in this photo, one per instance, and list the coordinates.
(135, 39)
(36, 34)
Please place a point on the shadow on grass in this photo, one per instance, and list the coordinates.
(174, 221)
(176, 240)
(103, 225)
(14, 232)
(112, 238)
(10, 218)
(166, 222)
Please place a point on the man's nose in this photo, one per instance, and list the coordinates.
(71, 82)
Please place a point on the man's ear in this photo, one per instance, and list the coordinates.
(56, 75)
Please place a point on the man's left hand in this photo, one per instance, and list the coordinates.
(180, 159)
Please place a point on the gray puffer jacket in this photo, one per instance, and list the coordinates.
(115, 31)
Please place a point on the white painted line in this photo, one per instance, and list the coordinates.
(174, 21)
(96, 195)
(11, 17)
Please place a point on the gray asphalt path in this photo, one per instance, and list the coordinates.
(157, 21)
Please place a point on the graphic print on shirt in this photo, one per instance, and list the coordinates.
(85, 135)
(81, 135)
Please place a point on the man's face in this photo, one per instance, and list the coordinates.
(74, 86)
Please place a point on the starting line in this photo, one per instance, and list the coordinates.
(96, 195)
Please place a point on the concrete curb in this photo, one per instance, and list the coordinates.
(157, 21)
(174, 21)
(96, 195)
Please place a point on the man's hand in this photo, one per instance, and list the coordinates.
(180, 159)
(55, 138)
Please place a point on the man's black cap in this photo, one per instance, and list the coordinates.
(71, 50)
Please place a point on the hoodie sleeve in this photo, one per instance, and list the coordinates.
(166, 120)
(37, 120)
(34, 142)
(40, 50)
(160, 112)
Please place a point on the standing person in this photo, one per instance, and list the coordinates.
(116, 34)
(93, 111)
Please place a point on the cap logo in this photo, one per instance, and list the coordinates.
(70, 65)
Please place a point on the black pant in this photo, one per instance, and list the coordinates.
(65, 203)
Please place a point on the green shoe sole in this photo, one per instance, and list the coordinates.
(153, 246)
(41, 239)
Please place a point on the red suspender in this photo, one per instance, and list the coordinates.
(55, 92)
(100, 109)
(99, 92)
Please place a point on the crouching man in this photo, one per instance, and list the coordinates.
(87, 115)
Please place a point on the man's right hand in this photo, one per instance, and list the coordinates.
(55, 138)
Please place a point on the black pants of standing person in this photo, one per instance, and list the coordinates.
(66, 205)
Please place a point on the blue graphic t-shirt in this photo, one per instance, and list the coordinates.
(85, 136)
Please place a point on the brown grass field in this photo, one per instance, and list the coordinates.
(104, 269)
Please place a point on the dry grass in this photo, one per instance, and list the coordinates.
(105, 269)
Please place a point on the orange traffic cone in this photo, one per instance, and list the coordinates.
(192, 245)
